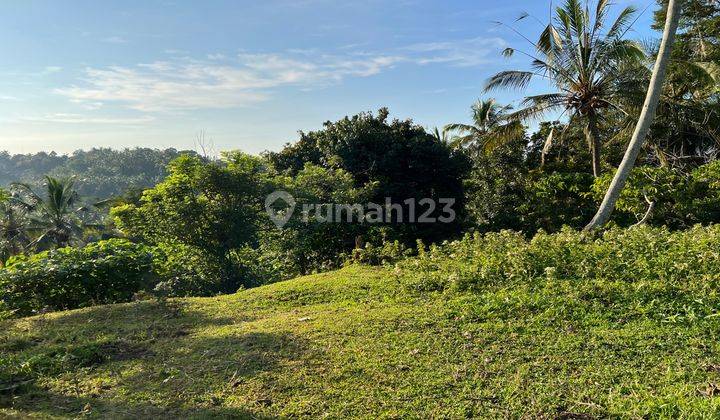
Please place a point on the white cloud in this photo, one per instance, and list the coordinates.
(85, 119)
(115, 40)
(184, 84)
(461, 53)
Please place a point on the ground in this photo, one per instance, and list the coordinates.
(356, 343)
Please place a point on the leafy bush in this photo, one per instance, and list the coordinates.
(506, 258)
(186, 271)
(102, 272)
(669, 189)
(389, 252)
(304, 244)
(680, 199)
(554, 200)
(706, 192)
(502, 196)
(183, 270)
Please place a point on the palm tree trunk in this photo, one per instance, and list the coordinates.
(646, 117)
(593, 138)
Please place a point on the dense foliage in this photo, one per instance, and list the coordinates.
(212, 208)
(398, 159)
(102, 272)
(642, 254)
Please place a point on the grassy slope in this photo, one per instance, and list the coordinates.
(353, 343)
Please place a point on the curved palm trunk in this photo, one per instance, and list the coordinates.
(592, 135)
(646, 117)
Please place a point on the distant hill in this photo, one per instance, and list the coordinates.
(101, 173)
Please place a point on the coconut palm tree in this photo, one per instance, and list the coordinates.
(14, 233)
(54, 219)
(587, 60)
(441, 136)
(490, 128)
(646, 118)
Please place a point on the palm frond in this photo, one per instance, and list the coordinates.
(460, 128)
(622, 23)
(509, 79)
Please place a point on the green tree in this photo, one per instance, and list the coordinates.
(55, 220)
(305, 244)
(587, 59)
(14, 230)
(100, 173)
(490, 128)
(398, 156)
(14, 236)
(212, 207)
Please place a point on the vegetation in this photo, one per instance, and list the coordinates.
(398, 160)
(621, 326)
(506, 310)
(491, 128)
(645, 120)
(100, 173)
(54, 217)
(211, 208)
(102, 272)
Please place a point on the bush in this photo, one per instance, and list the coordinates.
(669, 189)
(183, 270)
(103, 272)
(706, 192)
(390, 252)
(504, 259)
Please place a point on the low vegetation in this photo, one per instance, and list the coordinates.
(561, 326)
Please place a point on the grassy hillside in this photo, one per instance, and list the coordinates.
(356, 343)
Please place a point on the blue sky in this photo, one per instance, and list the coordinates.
(80, 74)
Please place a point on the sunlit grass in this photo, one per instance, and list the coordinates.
(356, 343)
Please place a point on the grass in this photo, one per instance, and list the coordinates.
(357, 343)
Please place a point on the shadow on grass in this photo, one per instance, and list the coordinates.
(192, 375)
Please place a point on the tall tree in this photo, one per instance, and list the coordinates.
(646, 118)
(14, 230)
(491, 128)
(54, 218)
(586, 59)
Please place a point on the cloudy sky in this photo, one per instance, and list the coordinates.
(78, 74)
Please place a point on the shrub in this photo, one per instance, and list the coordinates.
(102, 272)
(389, 252)
(557, 199)
(668, 188)
(706, 192)
(504, 259)
(183, 270)
(215, 207)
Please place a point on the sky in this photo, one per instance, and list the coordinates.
(249, 75)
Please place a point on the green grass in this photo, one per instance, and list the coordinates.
(356, 343)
